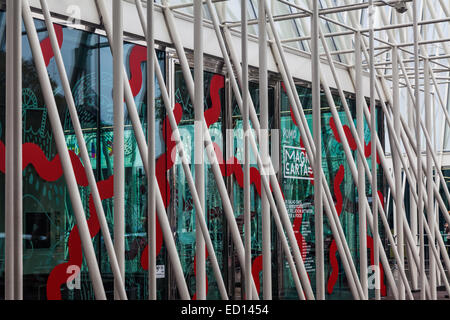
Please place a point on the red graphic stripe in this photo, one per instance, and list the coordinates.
(332, 279)
(46, 45)
(138, 55)
(256, 269)
(195, 273)
(164, 163)
(351, 140)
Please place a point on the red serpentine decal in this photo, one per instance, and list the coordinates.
(59, 275)
(164, 163)
(351, 140)
(257, 266)
(212, 114)
(138, 55)
(339, 178)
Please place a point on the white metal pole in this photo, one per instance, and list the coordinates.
(18, 206)
(151, 176)
(82, 145)
(63, 152)
(396, 164)
(361, 173)
(200, 282)
(373, 138)
(9, 163)
(118, 143)
(419, 150)
(246, 127)
(317, 167)
(143, 150)
(264, 148)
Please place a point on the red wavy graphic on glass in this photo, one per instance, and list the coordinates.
(138, 55)
(351, 140)
(46, 45)
(52, 171)
(164, 163)
(333, 248)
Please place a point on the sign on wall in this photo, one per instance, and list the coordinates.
(296, 164)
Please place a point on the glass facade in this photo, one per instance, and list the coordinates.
(52, 249)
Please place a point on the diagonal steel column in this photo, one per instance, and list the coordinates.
(82, 145)
(18, 172)
(422, 275)
(63, 152)
(317, 167)
(430, 182)
(264, 148)
(397, 169)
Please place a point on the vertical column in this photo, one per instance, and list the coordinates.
(246, 127)
(317, 132)
(9, 161)
(18, 214)
(151, 179)
(199, 147)
(373, 138)
(264, 148)
(118, 142)
(430, 182)
(397, 168)
(361, 172)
